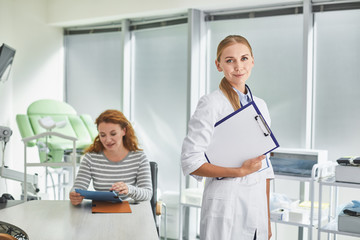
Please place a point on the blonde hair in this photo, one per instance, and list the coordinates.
(114, 116)
(224, 85)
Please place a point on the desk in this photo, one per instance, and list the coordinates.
(60, 220)
(10, 203)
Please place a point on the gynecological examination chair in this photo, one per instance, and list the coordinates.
(64, 120)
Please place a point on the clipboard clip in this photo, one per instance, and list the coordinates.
(263, 126)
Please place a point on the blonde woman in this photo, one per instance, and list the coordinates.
(114, 161)
(237, 206)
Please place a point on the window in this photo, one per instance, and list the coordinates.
(93, 75)
(160, 96)
(337, 73)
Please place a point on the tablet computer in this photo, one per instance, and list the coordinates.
(100, 195)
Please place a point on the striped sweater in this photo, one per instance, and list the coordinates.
(134, 170)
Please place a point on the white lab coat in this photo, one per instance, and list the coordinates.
(232, 208)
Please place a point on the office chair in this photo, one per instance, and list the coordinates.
(54, 149)
(11, 232)
(5, 236)
(157, 206)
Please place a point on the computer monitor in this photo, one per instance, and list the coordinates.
(6, 59)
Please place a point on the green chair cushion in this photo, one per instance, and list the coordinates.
(81, 127)
(50, 107)
(25, 128)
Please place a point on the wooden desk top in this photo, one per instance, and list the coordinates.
(60, 220)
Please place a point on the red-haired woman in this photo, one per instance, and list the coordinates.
(114, 161)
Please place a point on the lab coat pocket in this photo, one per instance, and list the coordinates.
(232, 206)
(216, 217)
(217, 203)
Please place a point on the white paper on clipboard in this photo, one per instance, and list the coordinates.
(242, 135)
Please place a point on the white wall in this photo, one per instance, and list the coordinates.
(37, 70)
(5, 88)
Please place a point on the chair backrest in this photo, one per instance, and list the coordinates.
(154, 175)
(80, 127)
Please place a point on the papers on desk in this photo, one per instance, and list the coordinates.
(110, 207)
(99, 195)
(105, 202)
(242, 135)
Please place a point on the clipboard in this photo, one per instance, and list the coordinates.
(110, 207)
(100, 195)
(241, 135)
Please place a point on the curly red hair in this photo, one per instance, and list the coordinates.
(114, 116)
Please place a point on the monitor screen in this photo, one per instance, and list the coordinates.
(6, 59)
